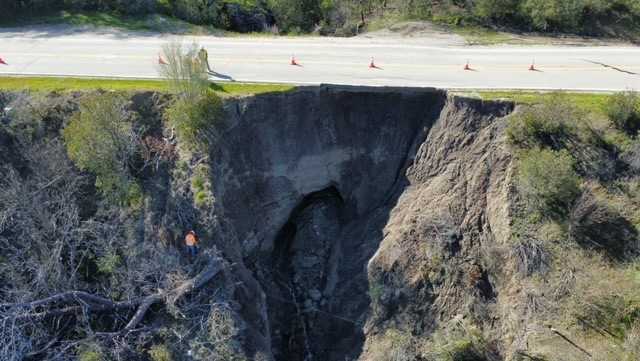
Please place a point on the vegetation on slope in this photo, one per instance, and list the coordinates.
(616, 18)
(98, 190)
(577, 224)
(566, 276)
(101, 139)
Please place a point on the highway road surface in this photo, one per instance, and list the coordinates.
(401, 62)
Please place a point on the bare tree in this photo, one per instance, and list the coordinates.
(184, 70)
(62, 267)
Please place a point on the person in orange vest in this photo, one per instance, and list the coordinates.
(191, 241)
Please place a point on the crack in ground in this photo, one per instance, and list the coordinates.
(610, 67)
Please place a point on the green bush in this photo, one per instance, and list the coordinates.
(549, 124)
(90, 352)
(196, 109)
(109, 263)
(185, 70)
(553, 14)
(463, 350)
(100, 139)
(376, 291)
(495, 10)
(613, 313)
(458, 341)
(201, 187)
(203, 12)
(548, 181)
(295, 16)
(589, 17)
(623, 109)
(195, 121)
(160, 353)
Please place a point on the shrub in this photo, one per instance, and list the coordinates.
(376, 291)
(530, 257)
(623, 109)
(553, 14)
(558, 124)
(393, 345)
(90, 352)
(185, 70)
(595, 224)
(194, 122)
(109, 263)
(201, 187)
(218, 339)
(615, 316)
(100, 139)
(196, 109)
(160, 353)
(495, 10)
(631, 156)
(296, 15)
(549, 124)
(196, 11)
(458, 341)
(548, 181)
(31, 115)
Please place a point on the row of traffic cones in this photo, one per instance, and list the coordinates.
(294, 62)
(532, 67)
(372, 64)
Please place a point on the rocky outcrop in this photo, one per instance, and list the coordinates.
(332, 195)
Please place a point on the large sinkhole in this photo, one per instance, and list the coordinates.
(305, 324)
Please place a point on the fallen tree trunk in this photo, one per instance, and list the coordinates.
(93, 303)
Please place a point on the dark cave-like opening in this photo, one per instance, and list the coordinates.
(301, 262)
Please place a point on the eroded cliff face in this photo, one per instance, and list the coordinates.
(357, 222)
(358, 210)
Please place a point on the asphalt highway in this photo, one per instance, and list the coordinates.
(400, 62)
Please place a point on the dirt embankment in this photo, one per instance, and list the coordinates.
(340, 198)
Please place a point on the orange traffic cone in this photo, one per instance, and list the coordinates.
(466, 66)
(161, 61)
(294, 62)
(3, 62)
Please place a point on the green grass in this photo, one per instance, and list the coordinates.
(75, 84)
(590, 102)
(49, 84)
(250, 88)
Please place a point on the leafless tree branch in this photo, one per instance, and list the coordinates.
(95, 303)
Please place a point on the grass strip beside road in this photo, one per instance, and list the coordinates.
(78, 84)
(589, 102)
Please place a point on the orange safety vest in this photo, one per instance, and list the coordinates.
(191, 239)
